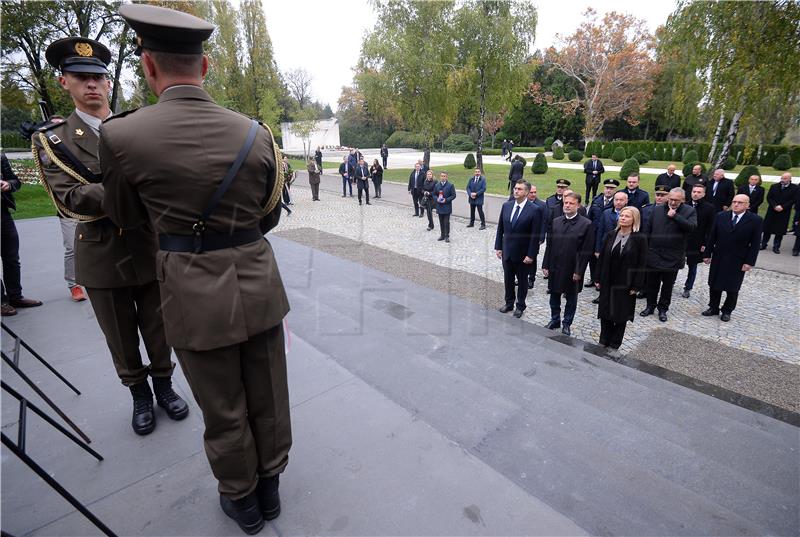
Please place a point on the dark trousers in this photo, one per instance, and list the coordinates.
(591, 190)
(9, 251)
(569, 308)
(384, 162)
(444, 225)
(416, 195)
(515, 271)
(532, 272)
(363, 186)
(611, 333)
(796, 247)
(593, 268)
(776, 243)
(243, 393)
(122, 312)
(346, 183)
(691, 275)
(315, 191)
(472, 209)
(663, 280)
(377, 189)
(715, 296)
(428, 209)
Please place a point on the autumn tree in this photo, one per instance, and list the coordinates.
(493, 123)
(612, 62)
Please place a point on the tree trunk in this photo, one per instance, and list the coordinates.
(731, 136)
(758, 154)
(716, 137)
(115, 88)
(646, 129)
(426, 156)
(479, 156)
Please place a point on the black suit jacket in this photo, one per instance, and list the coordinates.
(588, 168)
(521, 239)
(671, 182)
(418, 184)
(724, 194)
(731, 247)
(756, 198)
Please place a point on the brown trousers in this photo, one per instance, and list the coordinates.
(243, 393)
(122, 312)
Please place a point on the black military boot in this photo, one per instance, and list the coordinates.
(268, 497)
(144, 420)
(244, 511)
(176, 408)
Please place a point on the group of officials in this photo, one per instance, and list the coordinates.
(171, 202)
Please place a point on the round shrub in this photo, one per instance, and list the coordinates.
(575, 155)
(619, 155)
(458, 142)
(745, 174)
(729, 164)
(539, 163)
(469, 161)
(548, 143)
(605, 152)
(558, 153)
(687, 170)
(782, 162)
(690, 156)
(629, 166)
(641, 157)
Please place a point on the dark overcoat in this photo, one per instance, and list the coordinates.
(616, 302)
(778, 222)
(756, 198)
(729, 248)
(666, 237)
(478, 187)
(699, 236)
(570, 243)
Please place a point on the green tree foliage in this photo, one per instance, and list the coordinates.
(458, 142)
(629, 166)
(782, 162)
(690, 156)
(558, 153)
(548, 143)
(539, 165)
(619, 154)
(745, 174)
(575, 155)
(469, 161)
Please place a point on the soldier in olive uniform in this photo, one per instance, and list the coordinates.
(117, 267)
(209, 181)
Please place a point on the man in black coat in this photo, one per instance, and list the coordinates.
(667, 229)
(517, 244)
(780, 199)
(362, 176)
(694, 178)
(636, 196)
(594, 170)
(385, 156)
(570, 242)
(346, 171)
(670, 179)
(533, 198)
(516, 173)
(696, 241)
(9, 245)
(415, 181)
(754, 191)
(720, 191)
(732, 250)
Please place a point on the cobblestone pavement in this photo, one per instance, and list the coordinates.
(764, 321)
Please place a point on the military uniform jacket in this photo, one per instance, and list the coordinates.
(163, 163)
(105, 255)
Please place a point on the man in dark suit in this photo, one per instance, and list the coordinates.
(533, 198)
(385, 156)
(599, 204)
(476, 187)
(780, 199)
(223, 301)
(731, 250)
(362, 176)
(666, 231)
(347, 172)
(443, 194)
(515, 173)
(415, 181)
(754, 191)
(517, 244)
(694, 178)
(570, 241)
(594, 170)
(720, 190)
(636, 196)
(696, 241)
(9, 243)
(670, 179)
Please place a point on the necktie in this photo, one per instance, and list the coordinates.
(735, 219)
(751, 189)
(595, 164)
(514, 216)
(715, 188)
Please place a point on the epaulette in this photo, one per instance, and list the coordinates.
(121, 114)
(49, 125)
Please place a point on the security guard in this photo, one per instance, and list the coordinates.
(209, 181)
(117, 267)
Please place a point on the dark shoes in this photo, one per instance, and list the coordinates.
(245, 512)
(795, 253)
(552, 325)
(686, 293)
(430, 228)
(24, 302)
(565, 330)
(447, 239)
(596, 300)
(776, 250)
(368, 203)
(530, 285)
(725, 317)
(662, 316)
(175, 407)
(144, 419)
(590, 284)
(763, 246)
(710, 312)
(440, 239)
(268, 498)
(518, 313)
(7, 310)
(471, 225)
(647, 311)
(483, 226)
(506, 309)
(640, 294)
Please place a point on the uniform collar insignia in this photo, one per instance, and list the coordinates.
(79, 132)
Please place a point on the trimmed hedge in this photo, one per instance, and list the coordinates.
(619, 154)
(575, 155)
(539, 164)
(690, 156)
(641, 157)
(729, 164)
(406, 139)
(13, 139)
(744, 175)
(629, 166)
(548, 143)
(687, 170)
(469, 161)
(782, 162)
(558, 153)
(458, 142)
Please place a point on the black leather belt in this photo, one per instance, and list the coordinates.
(208, 241)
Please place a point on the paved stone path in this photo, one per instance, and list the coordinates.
(769, 303)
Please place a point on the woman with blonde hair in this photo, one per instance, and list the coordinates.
(621, 269)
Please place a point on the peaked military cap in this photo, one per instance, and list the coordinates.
(662, 189)
(78, 55)
(166, 30)
(610, 182)
(563, 182)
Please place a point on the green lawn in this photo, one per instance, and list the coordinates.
(32, 201)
